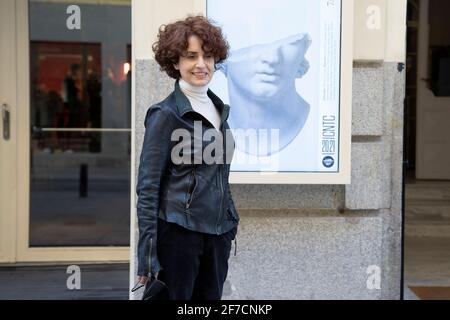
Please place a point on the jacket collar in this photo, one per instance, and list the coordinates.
(184, 106)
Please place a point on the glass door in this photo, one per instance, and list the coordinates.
(76, 131)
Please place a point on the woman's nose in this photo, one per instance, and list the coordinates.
(200, 63)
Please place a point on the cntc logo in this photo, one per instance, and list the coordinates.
(328, 162)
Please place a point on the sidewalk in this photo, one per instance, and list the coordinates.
(98, 282)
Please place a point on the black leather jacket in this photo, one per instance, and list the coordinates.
(195, 195)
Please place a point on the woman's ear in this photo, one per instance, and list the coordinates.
(175, 65)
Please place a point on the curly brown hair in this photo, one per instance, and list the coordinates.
(173, 42)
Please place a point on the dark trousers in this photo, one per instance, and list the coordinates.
(194, 265)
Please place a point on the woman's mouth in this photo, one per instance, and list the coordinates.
(200, 75)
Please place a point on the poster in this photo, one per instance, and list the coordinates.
(282, 80)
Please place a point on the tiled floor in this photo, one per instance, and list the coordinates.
(428, 208)
(427, 240)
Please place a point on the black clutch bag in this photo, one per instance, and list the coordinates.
(155, 290)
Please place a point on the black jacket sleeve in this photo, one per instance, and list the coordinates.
(154, 159)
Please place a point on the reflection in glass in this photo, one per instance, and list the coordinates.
(66, 93)
(80, 198)
(80, 119)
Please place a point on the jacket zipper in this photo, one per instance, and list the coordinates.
(150, 257)
(221, 189)
(220, 174)
(221, 196)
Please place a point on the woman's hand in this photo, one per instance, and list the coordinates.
(144, 279)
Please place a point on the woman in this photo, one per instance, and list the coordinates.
(186, 215)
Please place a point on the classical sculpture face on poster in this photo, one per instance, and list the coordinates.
(283, 81)
(262, 88)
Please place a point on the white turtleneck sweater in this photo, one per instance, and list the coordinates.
(200, 102)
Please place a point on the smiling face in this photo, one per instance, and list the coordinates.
(264, 71)
(196, 67)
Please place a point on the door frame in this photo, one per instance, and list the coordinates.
(23, 252)
(8, 148)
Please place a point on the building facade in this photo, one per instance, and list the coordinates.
(74, 96)
(313, 241)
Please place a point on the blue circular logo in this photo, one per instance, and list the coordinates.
(328, 162)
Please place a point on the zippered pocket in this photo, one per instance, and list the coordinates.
(192, 187)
